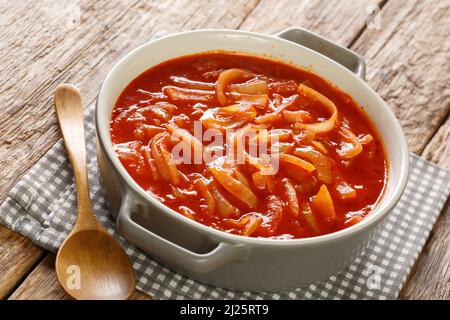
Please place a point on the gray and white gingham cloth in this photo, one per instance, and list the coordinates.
(41, 206)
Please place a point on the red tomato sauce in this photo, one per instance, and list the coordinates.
(308, 197)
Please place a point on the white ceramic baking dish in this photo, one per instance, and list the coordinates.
(218, 258)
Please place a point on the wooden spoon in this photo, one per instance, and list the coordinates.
(90, 264)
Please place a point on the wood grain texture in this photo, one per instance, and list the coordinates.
(430, 276)
(407, 63)
(340, 21)
(438, 150)
(42, 284)
(79, 41)
(18, 257)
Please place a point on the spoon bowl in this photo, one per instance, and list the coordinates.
(90, 264)
(91, 260)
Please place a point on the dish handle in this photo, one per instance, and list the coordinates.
(171, 253)
(346, 57)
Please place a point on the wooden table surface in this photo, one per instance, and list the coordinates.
(43, 43)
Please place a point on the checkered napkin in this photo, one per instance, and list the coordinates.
(41, 206)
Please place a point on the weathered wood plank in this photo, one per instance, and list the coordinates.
(42, 284)
(18, 257)
(407, 64)
(340, 21)
(438, 150)
(430, 277)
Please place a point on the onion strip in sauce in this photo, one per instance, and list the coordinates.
(235, 187)
(224, 207)
(323, 126)
(299, 163)
(293, 205)
(351, 146)
(177, 94)
(204, 191)
(321, 163)
(226, 78)
(252, 87)
(163, 159)
(323, 204)
(309, 218)
(192, 84)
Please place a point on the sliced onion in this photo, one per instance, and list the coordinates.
(350, 146)
(365, 139)
(281, 147)
(258, 180)
(270, 182)
(304, 186)
(181, 193)
(203, 190)
(224, 207)
(252, 222)
(353, 220)
(188, 212)
(154, 96)
(182, 94)
(251, 87)
(304, 137)
(319, 146)
(169, 107)
(309, 218)
(259, 164)
(293, 205)
(241, 177)
(273, 216)
(210, 121)
(150, 130)
(320, 161)
(241, 110)
(226, 78)
(297, 162)
(260, 101)
(156, 154)
(283, 87)
(127, 151)
(268, 118)
(185, 136)
(241, 133)
(163, 158)
(279, 134)
(345, 191)
(235, 187)
(263, 182)
(276, 115)
(323, 204)
(296, 116)
(151, 162)
(160, 113)
(323, 126)
(192, 84)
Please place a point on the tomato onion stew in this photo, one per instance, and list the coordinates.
(331, 164)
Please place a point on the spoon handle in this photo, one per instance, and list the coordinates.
(69, 110)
